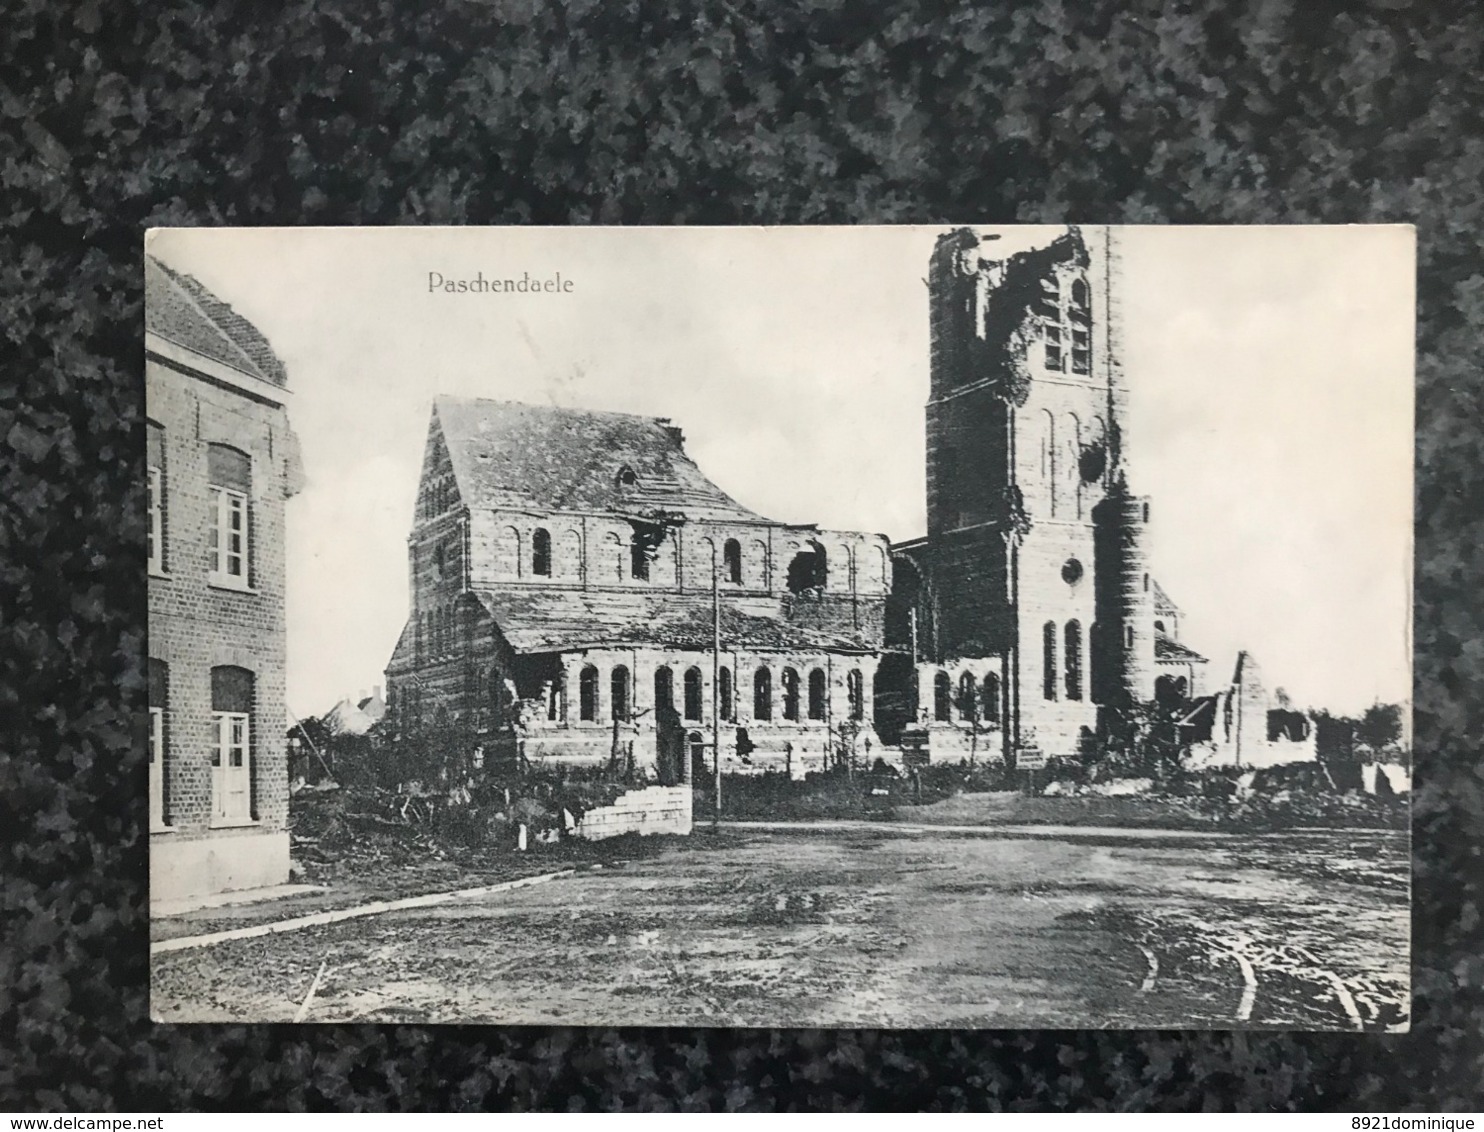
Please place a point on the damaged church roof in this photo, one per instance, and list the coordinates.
(1162, 601)
(177, 307)
(507, 454)
(550, 620)
(1169, 650)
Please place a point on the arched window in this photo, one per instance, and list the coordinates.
(762, 694)
(1048, 660)
(1146, 583)
(1160, 625)
(614, 565)
(664, 689)
(568, 562)
(1074, 660)
(1128, 636)
(728, 708)
(639, 558)
(693, 693)
(587, 694)
(757, 554)
(1080, 316)
(816, 693)
(1069, 465)
(855, 692)
(732, 553)
(229, 472)
(1079, 296)
(541, 552)
(968, 698)
(1049, 456)
(942, 697)
(790, 694)
(1146, 512)
(556, 702)
(991, 698)
(625, 477)
(619, 692)
(231, 755)
(507, 553)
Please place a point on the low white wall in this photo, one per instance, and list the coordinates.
(182, 868)
(655, 809)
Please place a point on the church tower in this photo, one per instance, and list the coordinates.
(1024, 442)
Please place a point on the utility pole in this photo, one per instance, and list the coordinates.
(716, 681)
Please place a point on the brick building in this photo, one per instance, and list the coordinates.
(221, 462)
(568, 570)
(1030, 605)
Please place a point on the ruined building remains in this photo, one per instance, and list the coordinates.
(221, 460)
(567, 569)
(561, 567)
(1030, 608)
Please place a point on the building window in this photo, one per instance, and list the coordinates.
(1160, 625)
(855, 692)
(231, 757)
(664, 690)
(619, 691)
(728, 709)
(159, 691)
(968, 699)
(942, 697)
(1048, 660)
(613, 556)
(790, 694)
(1128, 636)
(1074, 660)
(1080, 315)
(762, 694)
(816, 693)
(638, 559)
(757, 553)
(1053, 347)
(693, 693)
(1146, 583)
(556, 698)
(541, 552)
(732, 554)
(155, 441)
(587, 694)
(626, 477)
(230, 474)
(1081, 350)
(991, 712)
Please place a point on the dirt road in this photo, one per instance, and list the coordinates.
(856, 924)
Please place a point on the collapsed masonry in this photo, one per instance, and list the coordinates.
(563, 565)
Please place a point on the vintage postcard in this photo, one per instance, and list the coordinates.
(955, 626)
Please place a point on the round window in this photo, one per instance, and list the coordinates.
(1071, 572)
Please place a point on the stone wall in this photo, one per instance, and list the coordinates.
(654, 809)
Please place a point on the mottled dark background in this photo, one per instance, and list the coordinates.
(118, 116)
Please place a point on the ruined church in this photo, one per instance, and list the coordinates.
(572, 572)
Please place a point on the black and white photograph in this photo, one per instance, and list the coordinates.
(958, 626)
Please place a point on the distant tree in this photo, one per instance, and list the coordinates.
(1380, 727)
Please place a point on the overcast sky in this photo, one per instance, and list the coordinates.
(1270, 375)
